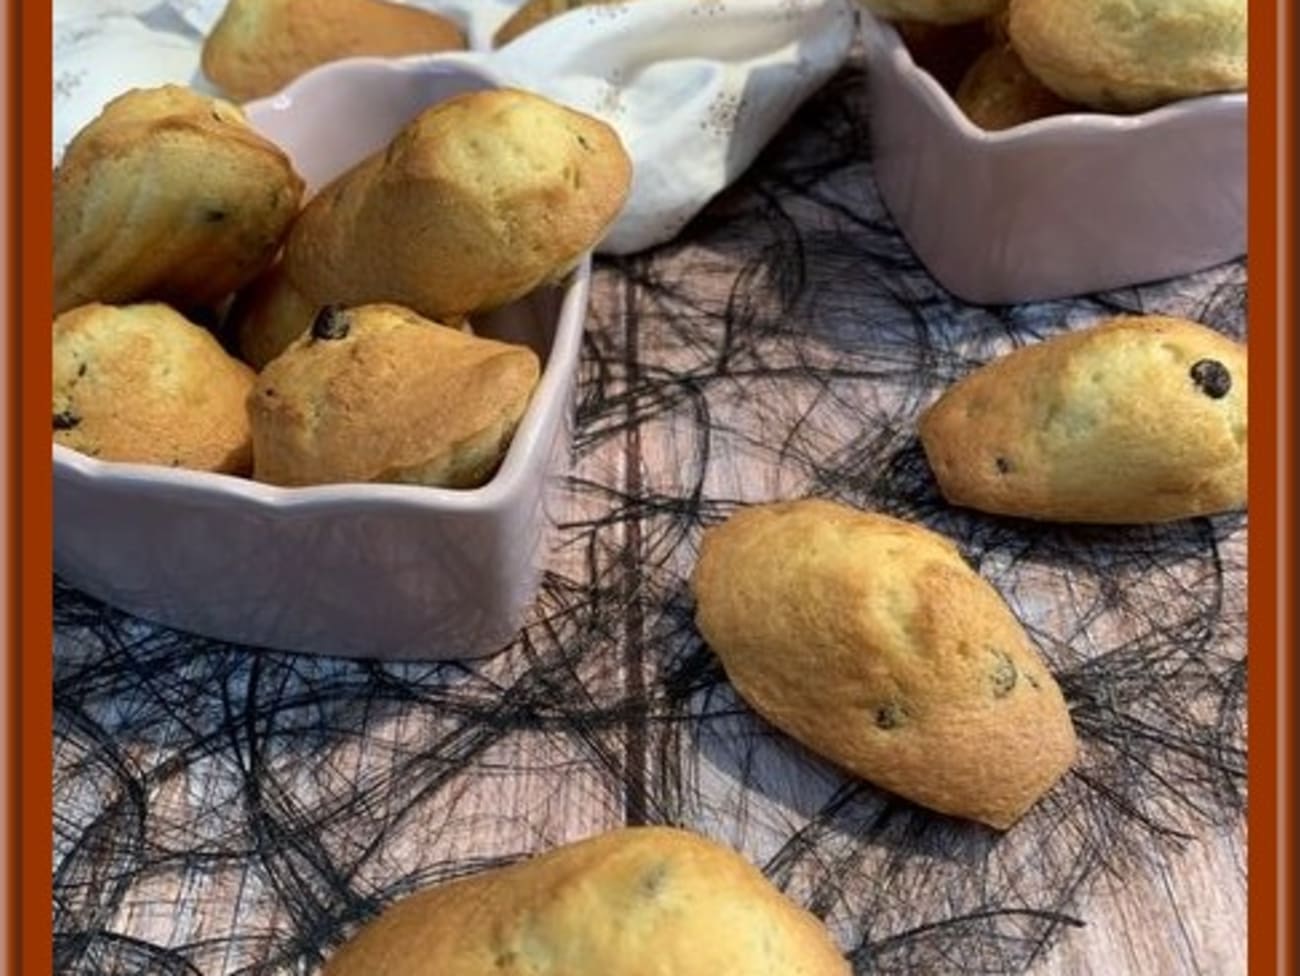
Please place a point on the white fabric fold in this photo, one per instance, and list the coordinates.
(695, 88)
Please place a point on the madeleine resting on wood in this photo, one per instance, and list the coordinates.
(872, 642)
(1138, 419)
(626, 903)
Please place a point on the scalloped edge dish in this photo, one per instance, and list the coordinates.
(373, 570)
(1057, 207)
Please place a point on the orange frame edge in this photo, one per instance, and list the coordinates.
(10, 680)
(31, 49)
(1271, 615)
(1272, 272)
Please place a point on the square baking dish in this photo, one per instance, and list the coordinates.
(1060, 206)
(368, 571)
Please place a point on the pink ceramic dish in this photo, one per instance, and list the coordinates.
(390, 571)
(1060, 206)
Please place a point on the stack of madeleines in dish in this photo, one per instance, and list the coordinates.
(1012, 61)
(350, 318)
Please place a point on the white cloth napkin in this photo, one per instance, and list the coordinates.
(695, 88)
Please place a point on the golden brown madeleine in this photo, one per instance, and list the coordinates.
(144, 384)
(1138, 419)
(377, 393)
(168, 196)
(534, 12)
(268, 316)
(873, 643)
(1132, 55)
(625, 903)
(259, 46)
(934, 11)
(477, 202)
(998, 92)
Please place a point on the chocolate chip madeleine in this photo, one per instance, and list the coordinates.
(379, 394)
(143, 384)
(1138, 419)
(872, 642)
(167, 196)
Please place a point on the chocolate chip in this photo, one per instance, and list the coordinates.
(889, 716)
(584, 143)
(1004, 675)
(1003, 465)
(1212, 377)
(66, 420)
(331, 323)
(214, 216)
(81, 370)
(652, 882)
